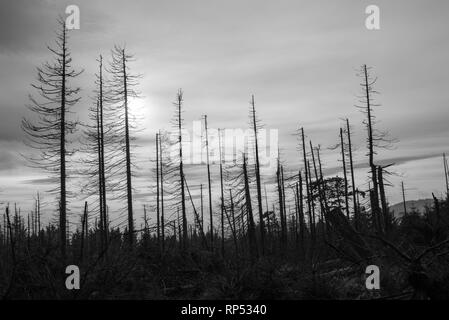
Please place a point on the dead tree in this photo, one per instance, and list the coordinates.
(99, 147)
(306, 177)
(209, 187)
(49, 133)
(179, 121)
(351, 168)
(249, 212)
(222, 195)
(446, 175)
(312, 204)
(375, 139)
(318, 183)
(202, 207)
(299, 191)
(84, 233)
(161, 176)
(403, 199)
(383, 199)
(157, 192)
(122, 88)
(197, 217)
(232, 223)
(257, 167)
(342, 145)
(281, 203)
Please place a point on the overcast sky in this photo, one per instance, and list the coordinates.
(299, 59)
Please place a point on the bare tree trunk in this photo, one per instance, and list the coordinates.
(284, 205)
(101, 155)
(157, 192)
(345, 177)
(128, 155)
(202, 207)
(301, 210)
(181, 170)
(222, 196)
(306, 176)
(100, 179)
(383, 199)
(259, 187)
(242, 223)
(297, 215)
(197, 218)
(318, 184)
(375, 194)
(312, 204)
(445, 175)
(62, 151)
(145, 221)
(174, 230)
(249, 210)
(11, 237)
(267, 210)
(210, 188)
(403, 198)
(161, 176)
(281, 203)
(180, 235)
(323, 191)
(83, 233)
(351, 165)
(234, 232)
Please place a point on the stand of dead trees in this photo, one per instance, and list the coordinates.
(286, 232)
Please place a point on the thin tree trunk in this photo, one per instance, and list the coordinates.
(222, 196)
(128, 156)
(197, 218)
(259, 187)
(345, 177)
(249, 210)
(445, 175)
(161, 176)
(210, 188)
(157, 193)
(403, 198)
(62, 151)
(100, 179)
(83, 222)
(202, 207)
(301, 211)
(306, 176)
(383, 199)
(284, 206)
(318, 185)
(234, 232)
(351, 165)
(101, 158)
(375, 194)
(281, 202)
(181, 173)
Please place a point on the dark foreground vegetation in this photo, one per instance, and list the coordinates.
(412, 257)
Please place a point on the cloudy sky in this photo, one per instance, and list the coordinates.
(299, 59)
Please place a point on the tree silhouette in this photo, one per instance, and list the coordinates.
(48, 131)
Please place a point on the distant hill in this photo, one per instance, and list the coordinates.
(417, 205)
